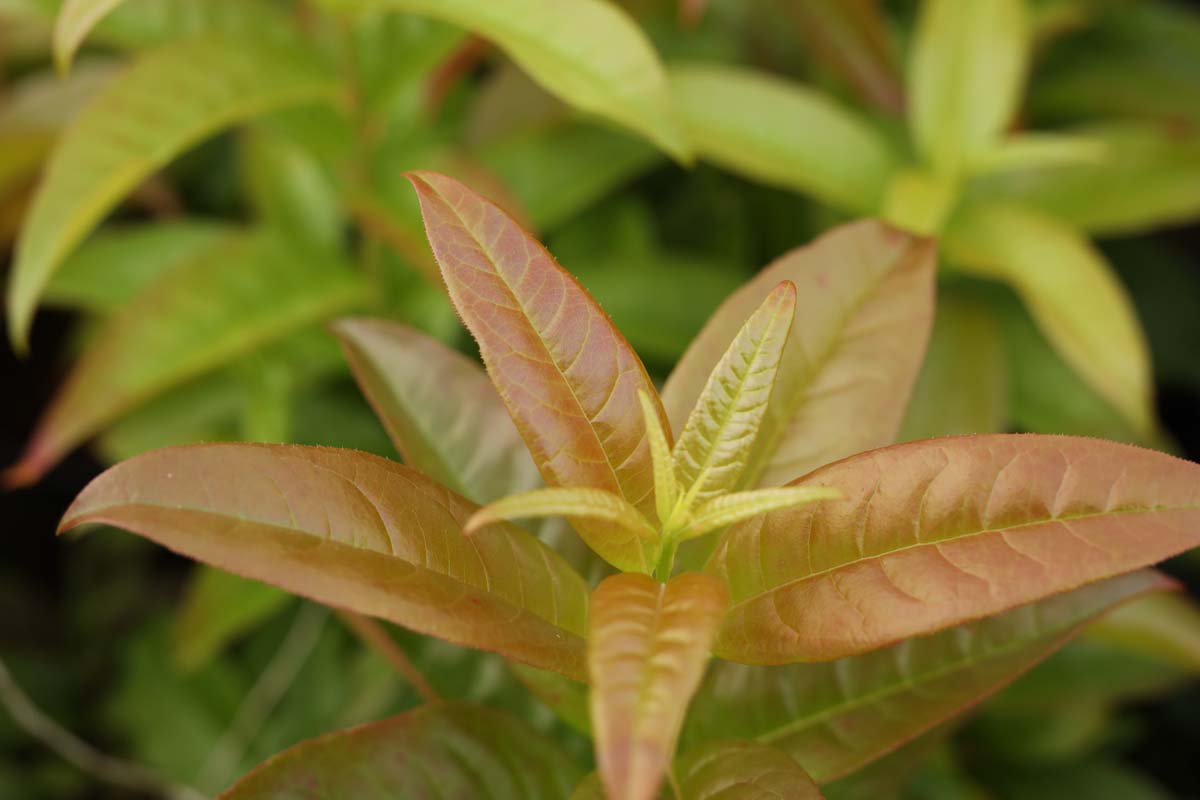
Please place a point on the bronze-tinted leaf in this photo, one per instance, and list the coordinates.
(355, 531)
(647, 646)
(852, 355)
(734, 770)
(451, 750)
(439, 409)
(939, 532)
(568, 377)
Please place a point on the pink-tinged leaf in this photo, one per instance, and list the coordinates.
(836, 717)
(449, 750)
(939, 532)
(852, 356)
(439, 408)
(648, 643)
(734, 770)
(568, 377)
(354, 531)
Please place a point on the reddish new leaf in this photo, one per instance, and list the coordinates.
(734, 770)
(568, 377)
(354, 531)
(934, 533)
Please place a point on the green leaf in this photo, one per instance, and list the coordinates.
(452, 750)
(966, 71)
(836, 718)
(568, 377)
(963, 386)
(1165, 627)
(219, 607)
(851, 358)
(919, 200)
(666, 490)
(715, 445)
(735, 770)
(439, 409)
(232, 298)
(1027, 151)
(648, 643)
(167, 101)
(936, 533)
(579, 504)
(352, 530)
(75, 20)
(1072, 293)
(290, 189)
(588, 52)
(113, 267)
(785, 134)
(728, 509)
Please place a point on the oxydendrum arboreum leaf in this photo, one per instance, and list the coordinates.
(568, 377)
(1028, 151)
(773, 130)
(355, 531)
(167, 101)
(666, 490)
(737, 506)
(238, 295)
(648, 643)
(588, 52)
(714, 446)
(835, 718)
(965, 76)
(445, 750)
(439, 408)
(1072, 293)
(632, 530)
(75, 19)
(935, 533)
(1165, 627)
(851, 358)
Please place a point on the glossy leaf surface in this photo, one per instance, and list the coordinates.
(835, 718)
(75, 19)
(452, 750)
(773, 130)
(167, 101)
(232, 298)
(355, 531)
(936, 533)
(568, 377)
(439, 408)
(851, 357)
(966, 72)
(647, 646)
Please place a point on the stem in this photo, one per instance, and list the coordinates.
(378, 639)
(666, 559)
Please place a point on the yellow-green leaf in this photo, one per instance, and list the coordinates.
(965, 75)
(773, 130)
(168, 100)
(714, 447)
(666, 490)
(355, 531)
(728, 509)
(75, 20)
(1072, 293)
(648, 643)
(218, 607)
(1165, 627)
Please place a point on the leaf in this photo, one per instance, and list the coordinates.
(231, 299)
(439, 408)
(590, 53)
(963, 386)
(647, 646)
(568, 377)
(111, 268)
(167, 101)
(579, 504)
(451, 750)
(733, 770)
(1165, 627)
(715, 445)
(355, 531)
(785, 134)
(851, 359)
(76, 18)
(1072, 293)
(290, 189)
(1041, 151)
(737, 506)
(940, 532)
(218, 607)
(966, 71)
(666, 490)
(835, 718)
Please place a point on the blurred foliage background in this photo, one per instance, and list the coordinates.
(220, 178)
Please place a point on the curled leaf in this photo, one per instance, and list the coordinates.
(666, 490)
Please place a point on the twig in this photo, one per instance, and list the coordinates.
(378, 639)
(274, 681)
(71, 748)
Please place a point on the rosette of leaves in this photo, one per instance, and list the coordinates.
(793, 598)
